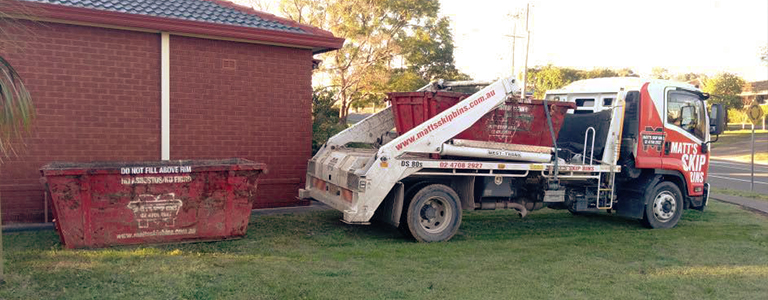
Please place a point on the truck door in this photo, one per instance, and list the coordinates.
(650, 127)
(686, 128)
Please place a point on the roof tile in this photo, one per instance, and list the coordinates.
(192, 10)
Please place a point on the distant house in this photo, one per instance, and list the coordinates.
(160, 79)
(757, 90)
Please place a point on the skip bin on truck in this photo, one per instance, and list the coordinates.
(636, 147)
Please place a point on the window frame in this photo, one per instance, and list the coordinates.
(698, 130)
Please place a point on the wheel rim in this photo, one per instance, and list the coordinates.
(435, 215)
(664, 206)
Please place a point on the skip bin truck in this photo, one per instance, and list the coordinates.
(635, 147)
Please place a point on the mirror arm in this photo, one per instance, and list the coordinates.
(705, 144)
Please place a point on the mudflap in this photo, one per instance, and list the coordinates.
(630, 208)
(631, 199)
(391, 208)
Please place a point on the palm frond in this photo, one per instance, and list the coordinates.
(16, 109)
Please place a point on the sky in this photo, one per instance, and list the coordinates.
(683, 36)
(704, 36)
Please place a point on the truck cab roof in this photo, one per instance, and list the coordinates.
(615, 84)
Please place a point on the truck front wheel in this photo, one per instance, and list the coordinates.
(434, 214)
(663, 206)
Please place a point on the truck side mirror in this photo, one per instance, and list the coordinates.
(717, 119)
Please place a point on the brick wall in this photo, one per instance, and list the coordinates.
(232, 99)
(97, 96)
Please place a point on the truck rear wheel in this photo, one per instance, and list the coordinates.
(409, 193)
(663, 206)
(434, 214)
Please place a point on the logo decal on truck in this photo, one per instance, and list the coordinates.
(693, 161)
(652, 138)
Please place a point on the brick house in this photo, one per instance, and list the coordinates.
(757, 90)
(160, 79)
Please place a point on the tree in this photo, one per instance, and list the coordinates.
(724, 88)
(626, 72)
(660, 73)
(16, 113)
(372, 29)
(551, 77)
(427, 55)
(325, 118)
(261, 5)
(406, 80)
(598, 73)
(685, 77)
(692, 78)
(737, 116)
(428, 52)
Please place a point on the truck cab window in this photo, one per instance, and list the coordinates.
(685, 110)
(585, 106)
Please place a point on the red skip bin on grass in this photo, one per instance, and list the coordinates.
(118, 203)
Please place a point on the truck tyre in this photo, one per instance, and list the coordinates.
(434, 214)
(409, 193)
(663, 206)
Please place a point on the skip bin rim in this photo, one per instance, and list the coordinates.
(394, 95)
(113, 167)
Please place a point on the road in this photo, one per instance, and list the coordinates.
(736, 176)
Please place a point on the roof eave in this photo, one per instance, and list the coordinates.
(318, 44)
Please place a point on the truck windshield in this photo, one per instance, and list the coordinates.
(686, 110)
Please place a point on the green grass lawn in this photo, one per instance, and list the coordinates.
(737, 145)
(740, 193)
(737, 136)
(719, 254)
(744, 131)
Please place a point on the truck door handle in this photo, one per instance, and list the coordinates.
(667, 148)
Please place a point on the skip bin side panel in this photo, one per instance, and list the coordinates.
(141, 213)
(517, 121)
(244, 184)
(212, 205)
(204, 202)
(68, 208)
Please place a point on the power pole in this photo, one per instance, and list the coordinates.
(527, 45)
(514, 39)
(514, 36)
